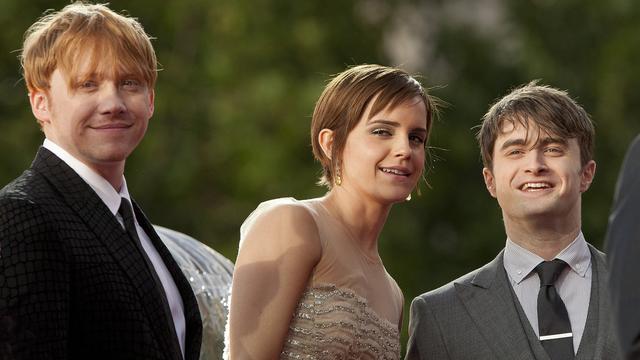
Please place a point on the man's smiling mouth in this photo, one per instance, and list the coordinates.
(535, 186)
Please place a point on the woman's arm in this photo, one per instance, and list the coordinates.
(273, 267)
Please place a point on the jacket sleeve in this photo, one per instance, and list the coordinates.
(34, 284)
(425, 336)
(623, 250)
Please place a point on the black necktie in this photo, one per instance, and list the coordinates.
(553, 321)
(129, 224)
(126, 212)
(130, 227)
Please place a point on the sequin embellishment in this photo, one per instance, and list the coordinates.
(336, 323)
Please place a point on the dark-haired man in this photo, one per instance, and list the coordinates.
(544, 296)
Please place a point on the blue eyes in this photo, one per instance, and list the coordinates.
(129, 84)
(549, 150)
(88, 84)
(553, 150)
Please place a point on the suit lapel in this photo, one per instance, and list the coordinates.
(536, 346)
(598, 327)
(490, 304)
(94, 213)
(193, 320)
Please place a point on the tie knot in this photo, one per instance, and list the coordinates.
(548, 271)
(125, 210)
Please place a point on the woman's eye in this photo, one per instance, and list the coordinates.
(381, 132)
(416, 139)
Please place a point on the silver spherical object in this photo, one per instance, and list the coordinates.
(209, 274)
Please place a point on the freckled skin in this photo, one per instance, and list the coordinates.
(100, 120)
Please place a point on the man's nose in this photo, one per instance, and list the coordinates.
(111, 100)
(536, 162)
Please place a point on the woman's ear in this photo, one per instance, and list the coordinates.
(325, 139)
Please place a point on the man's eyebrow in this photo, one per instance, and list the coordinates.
(513, 142)
(551, 140)
(541, 142)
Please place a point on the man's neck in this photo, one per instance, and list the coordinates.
(112, 172)
(113, 175)
(543, 238)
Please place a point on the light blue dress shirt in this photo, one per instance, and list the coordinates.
(573, 285)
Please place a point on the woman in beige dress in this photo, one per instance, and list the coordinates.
(309, 282)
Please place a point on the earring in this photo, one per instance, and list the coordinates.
(417, 189)
(338, 177)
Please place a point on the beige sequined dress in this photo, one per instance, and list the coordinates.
(335, 317)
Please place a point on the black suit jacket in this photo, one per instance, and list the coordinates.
(623, 247)
(73, 284)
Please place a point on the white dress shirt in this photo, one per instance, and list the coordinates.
(111, 198)
(573, 284)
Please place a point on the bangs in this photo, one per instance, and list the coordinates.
(81, 57)
(396, 91)
(533, 130)
(89, 39)
(391, 98)
(529, 114)
(94, 57)
(537, 107)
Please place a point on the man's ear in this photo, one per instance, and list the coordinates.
(325, 139)
(152, 95)
(40, 106)
(489, 181)
(586, 175)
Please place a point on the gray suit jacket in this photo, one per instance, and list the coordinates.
(623, 247)
(478, 317)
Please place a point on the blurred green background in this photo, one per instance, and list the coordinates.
(240, 79)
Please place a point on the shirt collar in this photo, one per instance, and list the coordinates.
(100, 185)
(519, 262)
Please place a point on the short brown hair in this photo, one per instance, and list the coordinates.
(550, 110)
(57, 39)
(345, 98)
